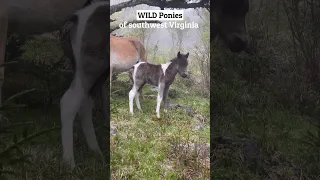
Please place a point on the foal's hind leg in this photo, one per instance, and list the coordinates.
(85, 115)
(137, 99)
(70, 104)
(132, 94)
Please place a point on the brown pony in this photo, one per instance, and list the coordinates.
(124, 53)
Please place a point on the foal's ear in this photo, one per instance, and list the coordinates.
(179, 55)
(187, 55)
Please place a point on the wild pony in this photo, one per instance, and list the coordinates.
(124, 53)
(161, 75)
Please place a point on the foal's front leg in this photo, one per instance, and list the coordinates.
(165, 98)
(159, 98)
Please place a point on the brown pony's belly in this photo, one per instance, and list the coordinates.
(119, 66)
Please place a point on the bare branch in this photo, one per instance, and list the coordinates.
(157, 3)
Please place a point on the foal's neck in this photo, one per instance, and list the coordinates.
(170, 68)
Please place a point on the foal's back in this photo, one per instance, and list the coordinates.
(145, 73)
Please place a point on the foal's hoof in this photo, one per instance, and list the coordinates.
(68, 166)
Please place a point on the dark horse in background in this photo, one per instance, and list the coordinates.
(86, 40)
(228, 22)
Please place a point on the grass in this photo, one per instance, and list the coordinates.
(45, 151)
(280, 140)
(145, 148)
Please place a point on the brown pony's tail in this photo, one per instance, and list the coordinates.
(143, 54)
(141, 50)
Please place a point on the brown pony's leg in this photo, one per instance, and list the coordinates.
(110, 77)
(3, 38)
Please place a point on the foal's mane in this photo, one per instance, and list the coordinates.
(173, 60)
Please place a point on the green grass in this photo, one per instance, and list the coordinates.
(144, 147)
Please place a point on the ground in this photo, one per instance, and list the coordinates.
(144, 147)
(257, 137)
